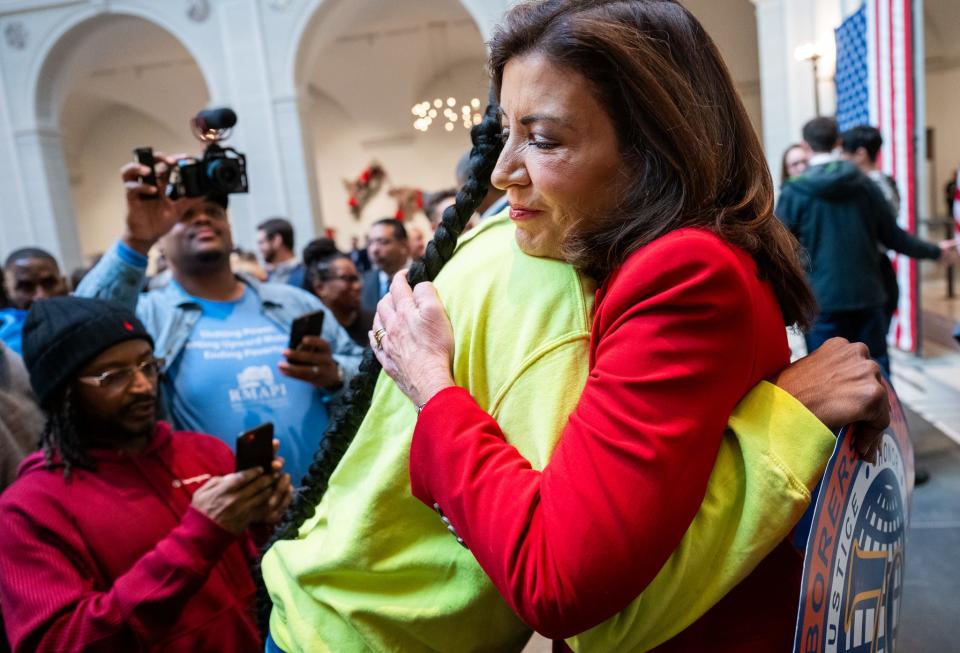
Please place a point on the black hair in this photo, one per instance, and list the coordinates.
(399, 231)
(864, 136)
(821, 134)
(462, 170)
(349, 409)
(29, 252)
(60, 435)
(319, 251)
(320, 268)
(278, 227)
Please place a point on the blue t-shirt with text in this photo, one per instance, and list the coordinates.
(226, 381)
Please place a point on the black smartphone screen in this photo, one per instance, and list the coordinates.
(310, 324)
(255, 448)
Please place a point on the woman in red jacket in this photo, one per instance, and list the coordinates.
(627, 153)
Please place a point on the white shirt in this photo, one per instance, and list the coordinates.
(821, 158)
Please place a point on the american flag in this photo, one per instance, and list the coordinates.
(875, 86)
(956, 202)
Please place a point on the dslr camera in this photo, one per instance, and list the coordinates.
(220, 171)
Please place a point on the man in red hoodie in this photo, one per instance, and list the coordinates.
(121, 535)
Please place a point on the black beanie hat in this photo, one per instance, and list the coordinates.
(62, 334)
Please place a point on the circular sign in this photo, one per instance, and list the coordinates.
(853, 569)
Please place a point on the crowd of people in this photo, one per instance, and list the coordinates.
(843, 209)
(588, 425)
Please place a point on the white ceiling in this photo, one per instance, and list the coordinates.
(377, 58)
(156, 76)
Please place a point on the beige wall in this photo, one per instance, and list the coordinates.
(732, 24)
(943, 100)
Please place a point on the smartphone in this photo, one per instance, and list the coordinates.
(255, 448)
(144, 156)
(310, 324)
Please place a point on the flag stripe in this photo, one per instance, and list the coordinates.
(875, 79)
(910, 99)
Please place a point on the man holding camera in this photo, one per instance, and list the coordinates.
(122, 534)
(223, 336)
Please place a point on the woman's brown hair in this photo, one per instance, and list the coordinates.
(691, 152)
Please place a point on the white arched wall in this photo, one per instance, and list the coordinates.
(57, 65)
(108, 106)
(356, 106)
(40, 75)
(288, 68)
(235, 43)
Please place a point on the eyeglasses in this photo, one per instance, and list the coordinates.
(382, 242)
(346, 278)
(48, 284)
(122, 377)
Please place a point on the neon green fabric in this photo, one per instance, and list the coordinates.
(376, 569)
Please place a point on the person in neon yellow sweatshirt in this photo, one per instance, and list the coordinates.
(374, 569)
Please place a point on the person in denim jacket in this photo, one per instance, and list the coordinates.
(222, 336)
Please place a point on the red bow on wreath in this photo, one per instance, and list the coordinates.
(364, 188)
(409, 201)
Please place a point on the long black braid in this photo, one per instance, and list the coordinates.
(347, 413)
(60, 434)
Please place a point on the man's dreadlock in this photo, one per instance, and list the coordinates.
(60, 436)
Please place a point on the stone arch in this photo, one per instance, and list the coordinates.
(67, 55)
(49, 69)
(352, 119)
(313, 12)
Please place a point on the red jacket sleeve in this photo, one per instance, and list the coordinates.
(49, 603)
(572, 545)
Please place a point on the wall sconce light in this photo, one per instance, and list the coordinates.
(811, 52)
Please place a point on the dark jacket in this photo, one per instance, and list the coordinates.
(840, 217)
(21, 421)
(370, 295)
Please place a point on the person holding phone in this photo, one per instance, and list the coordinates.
(223, 337)
(122, 534)
(335, 280)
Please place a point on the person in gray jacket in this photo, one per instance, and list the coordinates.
(21, 421)
(223, 337)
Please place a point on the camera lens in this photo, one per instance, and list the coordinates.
(224, 174)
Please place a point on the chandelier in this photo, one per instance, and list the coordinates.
(427, 112)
